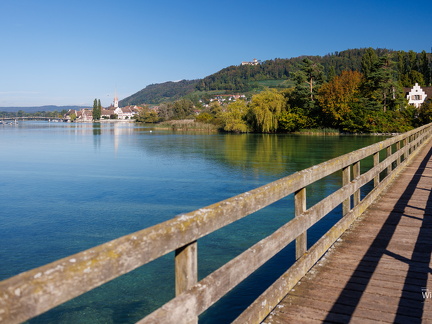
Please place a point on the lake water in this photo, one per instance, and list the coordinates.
(68, 187)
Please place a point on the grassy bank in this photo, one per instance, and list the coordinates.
(318, 131)
(187, 125)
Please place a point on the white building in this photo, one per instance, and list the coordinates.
(121, 113)
(416, 96)
(83, 115)
(254, 62)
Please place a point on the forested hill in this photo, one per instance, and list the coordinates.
(245, 78)
(160, 92)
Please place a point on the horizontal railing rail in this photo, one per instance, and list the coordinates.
(36, 291)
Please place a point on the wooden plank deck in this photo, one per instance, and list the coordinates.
(380, 269)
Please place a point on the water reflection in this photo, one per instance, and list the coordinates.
(274, 155)
(97, 131)
(86, 184)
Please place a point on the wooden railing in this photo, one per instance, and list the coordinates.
(39, 290)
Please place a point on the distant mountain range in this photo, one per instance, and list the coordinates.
(40, 108)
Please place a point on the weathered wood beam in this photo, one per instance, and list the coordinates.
(346, 178)
(299, 209)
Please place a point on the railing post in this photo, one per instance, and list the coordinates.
(186, 270)
(398, 147)
(406, 151)
(376, 162)
(346, 178)
(409, 140)
(356, 174)
(186, 267)
(418, 137)
(300, 207)
(389, 153)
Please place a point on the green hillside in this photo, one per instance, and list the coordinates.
(248, 77)
(276, 73)
(160, 92)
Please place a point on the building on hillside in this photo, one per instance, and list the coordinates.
(227, 98)
(83, 115)
(254, 62)
(417, 95)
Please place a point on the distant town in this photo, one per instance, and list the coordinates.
(114, 112)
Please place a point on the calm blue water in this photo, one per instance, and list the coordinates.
(68, 187)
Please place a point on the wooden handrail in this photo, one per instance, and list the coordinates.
(36, 291)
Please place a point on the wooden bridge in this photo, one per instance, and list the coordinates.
(373, 265)
(380, 269)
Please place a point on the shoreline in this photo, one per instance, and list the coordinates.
(104, 121)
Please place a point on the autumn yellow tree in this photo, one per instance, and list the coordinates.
(265, 109)
(234, 117)
(337, 96)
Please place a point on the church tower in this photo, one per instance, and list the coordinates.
(116, 101)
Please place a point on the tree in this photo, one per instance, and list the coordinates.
(425, 68)
(412, 60)
(308, 80)
(368, 62)
(337, 96)
(415, 77)
(183, 108)
(97, 109)
(379, 88)
(425, 113)
(215, 108)
(165, 111)
(290, 121)
(331, 73)
(265, 109)
(205, 117)
(147, 115)
(312, 74)
(234, 118)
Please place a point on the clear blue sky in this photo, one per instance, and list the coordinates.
(66, 52)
